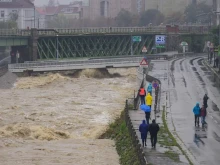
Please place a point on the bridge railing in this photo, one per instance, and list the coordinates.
(110, 30)
(15, 32)
(73, 63)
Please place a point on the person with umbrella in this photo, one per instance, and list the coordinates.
(147, 111)
(143, 129)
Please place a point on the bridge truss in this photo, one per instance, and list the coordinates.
(91, 46)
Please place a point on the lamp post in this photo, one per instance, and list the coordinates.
(57, 54)
(131, 43)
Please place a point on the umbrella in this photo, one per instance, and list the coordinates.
(145, 108)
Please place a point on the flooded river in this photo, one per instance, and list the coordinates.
(56, 119)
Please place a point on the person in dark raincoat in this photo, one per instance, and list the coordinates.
(143, 128)
(153, 129)
(205, 100)
(203, 114)
(196, 111)
(149, 89)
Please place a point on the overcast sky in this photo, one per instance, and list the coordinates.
(44, 2)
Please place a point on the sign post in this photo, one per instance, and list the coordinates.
(134, 39)
(160, 41)
(144, 50)
(155, 84)
(184, 45)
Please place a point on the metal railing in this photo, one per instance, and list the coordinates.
(134, 137)
(74, 64)
(107, 30)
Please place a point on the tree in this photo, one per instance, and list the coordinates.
(60, 21)
(197, 12)
(176, 18)
(124, 18)
(152, 16)
(8, 24)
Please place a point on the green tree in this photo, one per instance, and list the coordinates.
(197, 12)
(152, 16)
(60, 21)
(124, 18)
(8, 24)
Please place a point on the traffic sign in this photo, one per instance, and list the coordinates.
(155, 84)
(184, 43)
(144, 62)
(136, 38)
(160, 39)
(160, 46)
(144, 50)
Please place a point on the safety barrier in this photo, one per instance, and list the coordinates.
(135, 140)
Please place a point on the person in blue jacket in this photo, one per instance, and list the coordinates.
(196, 111)
(149, 89)
(143, 128)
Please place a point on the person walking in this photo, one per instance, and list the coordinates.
(205, 100)
(196, 111)
(142, 94)
(153, 129)
(147, 116)
(149, 89)
(143, 129)
(203, 114)
(149, 100)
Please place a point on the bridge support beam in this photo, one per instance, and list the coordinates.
(33, 44)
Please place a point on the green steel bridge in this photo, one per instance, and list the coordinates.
(42, 44)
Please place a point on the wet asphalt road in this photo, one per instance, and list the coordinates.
(186, 81)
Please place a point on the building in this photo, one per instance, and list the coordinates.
(24, 9)
(93, 9)
(47, 13)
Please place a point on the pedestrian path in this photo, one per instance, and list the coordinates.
(162, 155)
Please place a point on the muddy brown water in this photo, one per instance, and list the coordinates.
(54, 119)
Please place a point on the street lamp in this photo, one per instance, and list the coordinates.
(57, 48)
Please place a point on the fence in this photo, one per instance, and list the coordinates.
(135, 140)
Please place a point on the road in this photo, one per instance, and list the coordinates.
(186, 81)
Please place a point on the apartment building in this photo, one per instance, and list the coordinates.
(24, 9)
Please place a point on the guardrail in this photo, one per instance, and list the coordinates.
(81, 64)
(134, 137)
(108, 30)
(65, 65)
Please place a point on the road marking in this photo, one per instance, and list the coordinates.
(211, 117)
(216, 121)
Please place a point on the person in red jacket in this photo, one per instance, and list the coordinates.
(203, 114)
(142, 94)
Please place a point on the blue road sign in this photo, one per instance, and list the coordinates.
(160, 39)
(155, 84)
